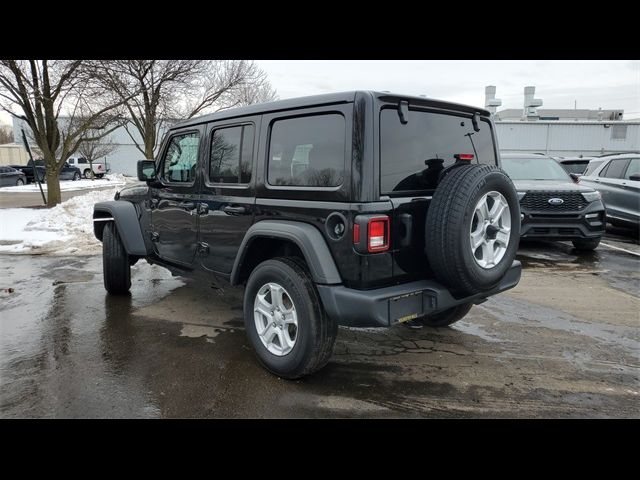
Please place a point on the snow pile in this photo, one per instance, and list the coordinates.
(112, 180)
(62, 230)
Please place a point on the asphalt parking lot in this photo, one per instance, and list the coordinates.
(564, 343)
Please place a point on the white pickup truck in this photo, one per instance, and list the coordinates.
(99, 168)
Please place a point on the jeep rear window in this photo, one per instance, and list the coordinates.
(307, 151)
(413, 154)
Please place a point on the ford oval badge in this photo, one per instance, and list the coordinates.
(556, 201)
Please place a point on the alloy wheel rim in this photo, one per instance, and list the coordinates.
(276, 319)
(490, 229)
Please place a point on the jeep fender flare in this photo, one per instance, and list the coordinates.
(308, 238)
(127, 223)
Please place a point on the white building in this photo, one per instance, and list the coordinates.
(561, 132)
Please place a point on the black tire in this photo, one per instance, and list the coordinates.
(19, 182)
(447, 317)
(116, 267)
(316, 332)
(448, 227)
(87, 173)
(76, 176)
(586, 244)
(99, 175)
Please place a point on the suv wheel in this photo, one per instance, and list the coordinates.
(447, 317)
(285, 322)
(473, 228)
(76, 176)
(19, 182)
(87, 173)
(586, 244)
(116, 266)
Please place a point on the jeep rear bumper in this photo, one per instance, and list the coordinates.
(383, 307)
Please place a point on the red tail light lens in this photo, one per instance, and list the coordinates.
(356, 233)
(378, 234)
(467, 157)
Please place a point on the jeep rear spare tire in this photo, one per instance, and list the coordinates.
(473, 228)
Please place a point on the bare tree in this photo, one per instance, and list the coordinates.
(60, 101)
(95, 149)
(169, 90)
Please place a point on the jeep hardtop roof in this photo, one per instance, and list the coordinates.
(325, 99)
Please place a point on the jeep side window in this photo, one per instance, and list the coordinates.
(230, 160)
(307, 151)
(181, 158)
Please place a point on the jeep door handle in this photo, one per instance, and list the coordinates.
(234, 210)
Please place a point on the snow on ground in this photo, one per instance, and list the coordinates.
(62, 230)
(112, 180)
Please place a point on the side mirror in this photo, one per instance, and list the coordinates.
(635, 177)
(575, 177)
(146, 170)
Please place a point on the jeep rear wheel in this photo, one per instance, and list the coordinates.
(116, 266)
(286, 324)
(473, 228)
(447, 317)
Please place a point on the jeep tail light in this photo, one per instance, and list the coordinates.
(378, 234)
(467, 157)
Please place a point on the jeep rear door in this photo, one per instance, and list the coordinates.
(227, 199)
(414, 150)
(174, 200)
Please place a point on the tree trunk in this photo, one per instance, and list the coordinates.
(54, 197)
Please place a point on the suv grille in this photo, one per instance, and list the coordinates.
(539, 201)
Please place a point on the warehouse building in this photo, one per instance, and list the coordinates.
(561, 132)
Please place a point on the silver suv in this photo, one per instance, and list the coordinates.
(618, 180)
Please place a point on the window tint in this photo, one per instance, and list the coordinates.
(82, 160)
(307, 151)
(615, 168)
(575, 167)
(231, 154)
(413, 154)
(633, 168)
(181, 158)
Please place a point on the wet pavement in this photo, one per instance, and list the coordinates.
(564, 343)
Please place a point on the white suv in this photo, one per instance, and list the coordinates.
(99, 169)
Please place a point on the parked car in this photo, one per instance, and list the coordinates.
(574, 165)
(360, 208)
(99, 169)
(27, 170)
(554, 207)
(10, 177)
(67, 173)
(617, 178)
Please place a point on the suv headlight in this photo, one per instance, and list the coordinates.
(591, 196)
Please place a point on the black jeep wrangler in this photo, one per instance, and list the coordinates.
(361, 209)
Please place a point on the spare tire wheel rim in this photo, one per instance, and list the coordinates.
(276, 319)
(490, 229)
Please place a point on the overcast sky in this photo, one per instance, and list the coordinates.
(593, 84)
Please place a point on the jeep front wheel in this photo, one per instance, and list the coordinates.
(285, 322)
(116, 266)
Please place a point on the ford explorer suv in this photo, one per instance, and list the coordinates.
(362, 209)
(553, 205)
